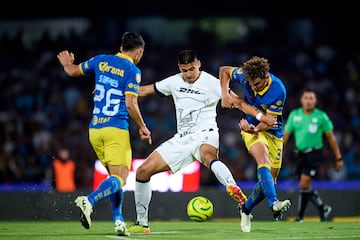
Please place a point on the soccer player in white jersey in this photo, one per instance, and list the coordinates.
(195, 94)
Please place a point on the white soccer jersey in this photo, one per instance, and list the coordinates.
(195, 103)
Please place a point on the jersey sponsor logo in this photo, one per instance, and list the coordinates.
(134, 86)
(189, 90)
(96, 120)
(276, 107)
(105, 67)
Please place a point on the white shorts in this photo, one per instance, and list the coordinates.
(182, 149)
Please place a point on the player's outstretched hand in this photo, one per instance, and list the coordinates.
(65, 57)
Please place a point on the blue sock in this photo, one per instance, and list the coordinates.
(116, 203)
(106, 188)
(267, 183)
(255, 197)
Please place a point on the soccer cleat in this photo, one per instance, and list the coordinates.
(277, 215)
(121, 229)
(137, 228)
(85, 211)
(245, 220)
(235, 192)
(325, 213)
(279, 207)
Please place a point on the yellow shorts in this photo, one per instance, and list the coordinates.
(274, 144)
(111, 145)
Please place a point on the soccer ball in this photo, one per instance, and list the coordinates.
(200, 209)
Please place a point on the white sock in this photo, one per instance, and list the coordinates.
(222, 172)
(142, 196)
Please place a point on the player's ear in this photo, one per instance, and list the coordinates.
(140, 51)
(198, 63)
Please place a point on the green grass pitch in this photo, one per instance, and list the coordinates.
(182, 230)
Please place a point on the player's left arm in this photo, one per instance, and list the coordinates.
(330, 136)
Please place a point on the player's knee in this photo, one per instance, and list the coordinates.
(142, 173)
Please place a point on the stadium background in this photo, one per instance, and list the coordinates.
(40, 107)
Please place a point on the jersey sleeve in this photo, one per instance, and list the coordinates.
(237, 75)
(276, 107)
(328, 124)
(88, 65)
(164, 87)
(133, 82)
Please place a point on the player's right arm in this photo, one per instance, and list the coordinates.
(146, 90)
(66, 59)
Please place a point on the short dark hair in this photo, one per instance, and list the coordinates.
(307, 89)
(131, 41)
(187, 56)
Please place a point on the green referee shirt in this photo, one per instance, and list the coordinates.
(308, 129)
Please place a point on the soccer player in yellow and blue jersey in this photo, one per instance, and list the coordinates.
(266, 93)
(117, 80)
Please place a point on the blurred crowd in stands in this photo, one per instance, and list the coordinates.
(43, 110)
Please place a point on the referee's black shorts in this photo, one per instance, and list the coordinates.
(308, 162)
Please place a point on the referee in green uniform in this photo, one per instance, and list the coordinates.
(309, 124)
